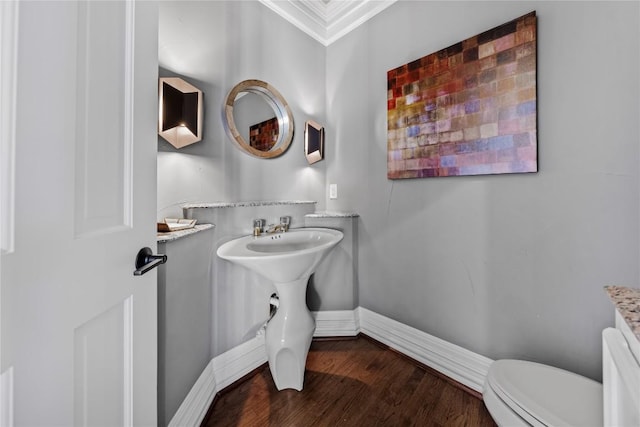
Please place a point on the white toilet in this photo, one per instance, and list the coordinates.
(520, 393)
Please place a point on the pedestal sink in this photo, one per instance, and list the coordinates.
(287, 259)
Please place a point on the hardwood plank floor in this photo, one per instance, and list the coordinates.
(351, 383)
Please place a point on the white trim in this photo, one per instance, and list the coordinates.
(239, 361)
(194, 407)
(127, 353)
(458, 363)
(128, 113)
(343, 323)
(327, 22)
(222, 371)
(621, 380)
(304, 21)
(9, 12)
(354, 18)
(8, 88)
(6, 398)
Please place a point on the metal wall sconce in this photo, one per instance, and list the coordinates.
(313, 141)
(180, 112)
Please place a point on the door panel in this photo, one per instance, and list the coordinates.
(102, 368)
(78, 329)
(104, 136)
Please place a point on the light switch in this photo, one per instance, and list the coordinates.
(333, 191)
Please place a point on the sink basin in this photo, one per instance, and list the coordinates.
(287, 259)
(282, 257)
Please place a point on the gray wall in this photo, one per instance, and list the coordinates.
(334, 284)
(506, 266)
(511, 265)
(214, 45)
(184, 318)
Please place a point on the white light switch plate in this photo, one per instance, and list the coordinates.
(333, 191)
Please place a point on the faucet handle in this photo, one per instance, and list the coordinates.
(285, 221)
(259, 223)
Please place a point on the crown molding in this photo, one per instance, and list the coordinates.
(327, 20)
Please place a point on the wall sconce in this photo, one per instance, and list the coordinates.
(313, 141)
(180, 112)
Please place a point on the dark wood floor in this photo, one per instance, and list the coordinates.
(351, 383)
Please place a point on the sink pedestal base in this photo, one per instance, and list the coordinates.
(288, 335)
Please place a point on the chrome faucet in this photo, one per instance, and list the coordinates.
(275, 228)
(283, 227)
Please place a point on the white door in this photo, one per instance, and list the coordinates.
(78, 329)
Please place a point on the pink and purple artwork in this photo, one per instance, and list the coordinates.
(468, 109)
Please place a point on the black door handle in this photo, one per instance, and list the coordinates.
(146, 260)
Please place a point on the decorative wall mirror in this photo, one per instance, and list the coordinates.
(258, 119)
(313, 142)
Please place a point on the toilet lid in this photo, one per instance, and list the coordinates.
(546, 395)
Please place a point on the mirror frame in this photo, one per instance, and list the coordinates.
(276, 101)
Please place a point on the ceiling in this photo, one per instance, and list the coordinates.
(327, 20)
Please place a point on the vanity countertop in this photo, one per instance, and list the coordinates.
(332, 214)
(245, 204)
(627, 301)
(175, 235)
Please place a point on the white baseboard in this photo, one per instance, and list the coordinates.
(222, 371)
(195, 405)
(239, 361)
(343, 323)
(458, 363)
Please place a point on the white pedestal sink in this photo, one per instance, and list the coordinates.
(287, 259)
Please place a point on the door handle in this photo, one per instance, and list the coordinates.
(146, 260)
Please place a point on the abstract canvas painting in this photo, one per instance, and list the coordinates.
(468, 109)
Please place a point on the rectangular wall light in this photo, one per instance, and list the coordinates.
(313, 141)
(179, 112)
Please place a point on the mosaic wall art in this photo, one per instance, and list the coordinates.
(469, 109)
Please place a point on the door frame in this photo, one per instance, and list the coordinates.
(8, 63)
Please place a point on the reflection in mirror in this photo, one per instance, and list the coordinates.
(264, 135)
(258, 119)
(313, 141)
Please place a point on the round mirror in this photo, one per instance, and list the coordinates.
(258, 119)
